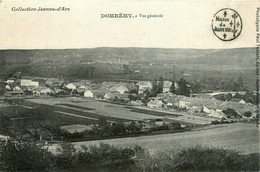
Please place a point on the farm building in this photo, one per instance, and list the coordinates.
(88, 94)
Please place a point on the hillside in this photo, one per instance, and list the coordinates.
(237, 57)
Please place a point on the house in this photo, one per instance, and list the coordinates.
(242, 102)
(218, 114)
(207, 110)
(136, 103)
(9, 81)
(16, 88)
(144, 85)
(46, 91)
(155, 103)
(70, 86)
(25, 82)
(8, 87)
(194, 109)
(167, 86)
(109, 96)
(184, 104)
(121, 89)
(35, 83)
(88, 94)
(3, 137)
(82, 87)
(37, 90)
(122, 98)
(28, 82)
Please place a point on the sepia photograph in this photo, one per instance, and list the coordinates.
(129, 91)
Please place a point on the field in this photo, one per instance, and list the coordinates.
(87, 107)
(241, 137)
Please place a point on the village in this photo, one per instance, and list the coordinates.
(156, 103)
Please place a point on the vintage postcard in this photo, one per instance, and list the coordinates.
(143, 86)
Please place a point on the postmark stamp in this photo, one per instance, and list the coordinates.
(227, 24)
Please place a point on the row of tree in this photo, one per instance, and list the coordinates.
(183, 87)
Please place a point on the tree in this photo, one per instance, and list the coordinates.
(249, 97)
(183, 88)
(231, 113)
(248, 114)
(172, 88)
(16, 155)
(228, 96)
(154, 90)
(102, 122)
(237, 96)
(4, 124)
(117, 129)
(126, 69)
(160, 85)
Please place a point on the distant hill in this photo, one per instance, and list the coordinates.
(236, 57)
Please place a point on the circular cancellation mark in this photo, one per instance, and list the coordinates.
(227, 24)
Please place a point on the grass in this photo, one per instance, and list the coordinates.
(151, 112)
(74, 106)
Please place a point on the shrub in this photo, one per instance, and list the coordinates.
(66, 157)
(195, 159)
(109, 157)
(248, 114)
(231, 113)
(16, 156)
(209, 159)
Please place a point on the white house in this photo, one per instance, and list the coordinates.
(207, 110)
(17, 88)
(88, 94)
(45, 91)
(242, 102)
(26, 82)
(218, 114)
(35, 83)
(9, 81)
(7, 87)
(71, 86)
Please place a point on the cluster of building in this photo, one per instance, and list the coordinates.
(127, 93)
